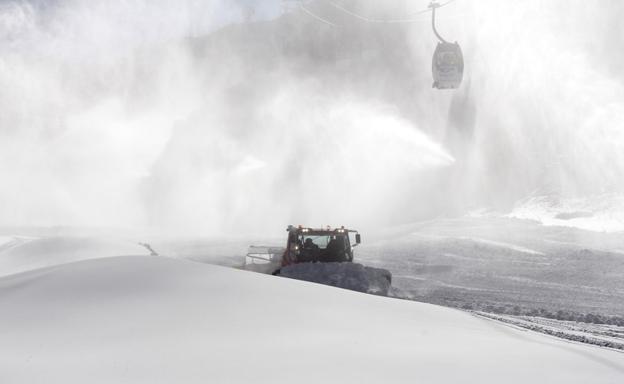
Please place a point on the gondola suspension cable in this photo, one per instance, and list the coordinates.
(429, 7)
(373, 20)
(377, 21)
(387, 21)
(317, 17)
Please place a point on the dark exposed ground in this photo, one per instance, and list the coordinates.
(505, 266)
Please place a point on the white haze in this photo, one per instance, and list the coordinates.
(94, 97)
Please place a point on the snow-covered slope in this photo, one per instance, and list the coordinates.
(157, 320)
(20, 254)
(601, 213)
(7, 242)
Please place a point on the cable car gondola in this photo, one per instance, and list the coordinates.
(448, 60)
(447, 66)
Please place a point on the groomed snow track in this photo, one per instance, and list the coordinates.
(142, 319)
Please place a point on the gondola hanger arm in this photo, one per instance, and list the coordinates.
(433, 6)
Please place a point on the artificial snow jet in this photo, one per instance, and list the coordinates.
(321, 255)
(448, 60)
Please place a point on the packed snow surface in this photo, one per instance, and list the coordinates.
(601, 213)
(8, 242)
(22, 254)
(353, 276)
(140, 319)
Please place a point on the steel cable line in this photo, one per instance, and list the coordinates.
(369, 19)
(317, 17)
(429, 7)
(387, 21)
(379, 21)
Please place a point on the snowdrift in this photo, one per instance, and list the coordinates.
(8, 242)
(19, 254)
(352, 276)
(157, 320)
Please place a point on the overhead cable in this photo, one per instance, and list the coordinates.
(317, 17)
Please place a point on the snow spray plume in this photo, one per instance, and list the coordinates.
(115, 115)
(88, 94)
(548, 93)
(141, 114)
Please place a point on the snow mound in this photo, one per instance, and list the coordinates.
(46, 252)
(8, 242)
(600, 213)
(352, 276)
(158, 320)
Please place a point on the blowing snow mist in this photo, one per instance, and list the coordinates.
(145, 114)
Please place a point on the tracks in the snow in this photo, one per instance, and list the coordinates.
(605, 336)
